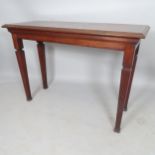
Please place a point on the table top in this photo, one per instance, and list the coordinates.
(102, 29)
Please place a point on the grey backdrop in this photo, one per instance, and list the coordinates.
(73, 63)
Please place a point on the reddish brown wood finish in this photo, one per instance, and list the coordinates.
(18, 44)
(126, 73)
(101, 29)
(41, 53)
(112, 36)
(131, 78)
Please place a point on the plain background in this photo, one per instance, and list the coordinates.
(77, 63)
(76, 114)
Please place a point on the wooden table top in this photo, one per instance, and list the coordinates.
(101, 29)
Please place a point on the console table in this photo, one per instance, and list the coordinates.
(119, 37)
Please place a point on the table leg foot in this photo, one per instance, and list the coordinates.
(45, 86)
(29, 98)
(117, 130)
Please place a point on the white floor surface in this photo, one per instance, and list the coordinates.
(75, 119)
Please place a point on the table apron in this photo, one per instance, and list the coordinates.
(71, 40)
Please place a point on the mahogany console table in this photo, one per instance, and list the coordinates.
(119, 37)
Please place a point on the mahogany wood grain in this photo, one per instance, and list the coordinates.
(102, 29)
(41, 53)
(128, 60)
(18, 44)
(123, 37)
(131, 78)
